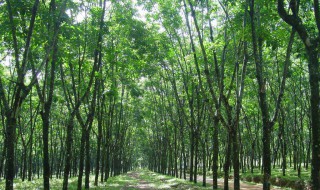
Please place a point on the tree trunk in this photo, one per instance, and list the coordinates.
(24, 168)
(191, 155)
(9, 143)
(235, 146)
(45, 139)
(81, 158)
(196, 143)
(3, 153)
(204, 163)
(103, 152)
(266, 125)
(315, 123)
(215, 152)
(227, 162)
(99, 136)
(68, 156)
(87, 168)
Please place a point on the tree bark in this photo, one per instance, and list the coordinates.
(81, 158)
(9, 143)
(227, 162)
(99, 136)
(215, 152)
(68, 157)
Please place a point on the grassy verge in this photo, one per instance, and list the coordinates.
(114, 183)
(290, 180)
(130, 181)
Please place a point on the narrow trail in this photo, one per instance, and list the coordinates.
(142, 184)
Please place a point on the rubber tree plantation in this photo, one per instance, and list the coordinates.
(199, 90)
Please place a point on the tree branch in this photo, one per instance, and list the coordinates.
(14, 36)
(3, 96)
(295, 22)
(284, 75)
(21, 73)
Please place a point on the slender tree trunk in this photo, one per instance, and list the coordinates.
(9, 143)
(266, 151)
(24, 169)
(252, 156)
(176, 151)
(191, 155)
(309, 146)
(235, 161)
(81, 158)
(215, 152)
(196, 150)
(107, 165)
(87, 168)
(3, 148)
(45, 138)
(103, 155)
(283, 143)
(3, 153)
(204, 163)
(68, 157)
(227, 162)
(99, 136)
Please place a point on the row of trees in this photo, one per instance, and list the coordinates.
(101, 87)
(234, 88)
(69, 72)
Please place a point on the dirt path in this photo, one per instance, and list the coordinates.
(142, 184)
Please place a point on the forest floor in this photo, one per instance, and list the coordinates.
(148, 180)
(243, 185)
(140, 179)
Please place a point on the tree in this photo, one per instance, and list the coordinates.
(13, 100)
(268, 123)
(310, 39)
(46, 94)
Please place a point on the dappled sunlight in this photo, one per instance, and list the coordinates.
(142, 179)
(114, 185)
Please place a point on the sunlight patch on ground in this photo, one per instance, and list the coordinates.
(114, 185)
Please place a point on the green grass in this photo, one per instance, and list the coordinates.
(125, 181)
(160, 181)
(157, 181)
(291, 178)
